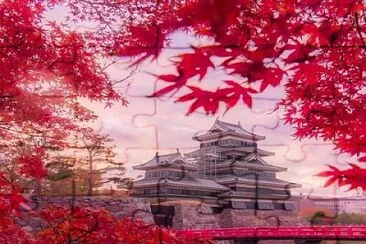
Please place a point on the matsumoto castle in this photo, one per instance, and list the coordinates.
(228, 170)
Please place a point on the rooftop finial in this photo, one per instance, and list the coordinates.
(157, 157)
(178, 150)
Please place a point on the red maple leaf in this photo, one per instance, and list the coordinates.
(192, 64)
(188, 66)
(353, 177)
(236, 91)
(176, 81)
(208, 100)
(269, 76)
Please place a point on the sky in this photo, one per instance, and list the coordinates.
(150, 125)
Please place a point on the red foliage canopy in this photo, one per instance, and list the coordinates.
(315, 48)
(86, 225)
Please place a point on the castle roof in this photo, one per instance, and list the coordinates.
(237, 150)
(253, 165)
(172, 160)
(188, 182)
(221, 128)
(242, 150)
(256, 179)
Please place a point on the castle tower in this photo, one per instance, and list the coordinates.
(229, 154)
(229, 172)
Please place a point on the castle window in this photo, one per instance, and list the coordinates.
(265, 206)
(239, 205)
(289, 206)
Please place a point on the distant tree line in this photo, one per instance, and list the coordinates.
(325, 217)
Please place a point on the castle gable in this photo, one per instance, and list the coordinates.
(222, 129)
(167, 160)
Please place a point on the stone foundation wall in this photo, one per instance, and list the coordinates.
(251, 218)
(136, 208)
(194, 217)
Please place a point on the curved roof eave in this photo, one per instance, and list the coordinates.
(209, 135)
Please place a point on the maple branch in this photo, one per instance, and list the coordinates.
(107, 3)
(359, 31)
(7, 95)
(132, 73)
(101, 18)
(239, 46)
(16, 131)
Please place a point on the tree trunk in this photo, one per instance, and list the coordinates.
(90, 176)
